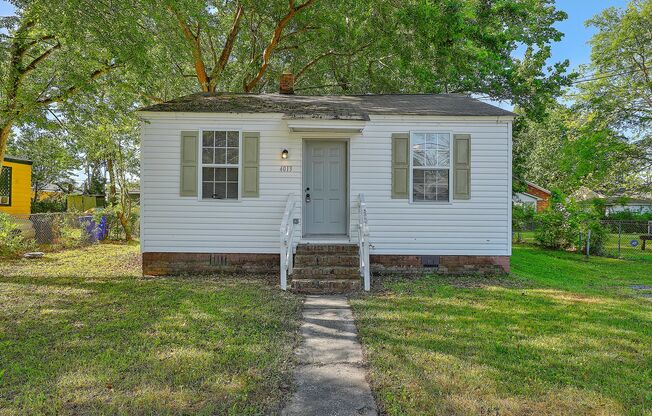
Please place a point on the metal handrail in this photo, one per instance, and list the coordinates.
(363, 242)
(287, 240)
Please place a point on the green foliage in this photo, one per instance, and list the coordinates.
(569, 149)
(71, 236)
(630, 216)
(112, 214)
(522, 219)
(50, 148)
(553, 228)
(565, 226)
(619, 90)
(11, 241)
(56, 203)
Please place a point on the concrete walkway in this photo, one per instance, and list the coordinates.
(330, 377)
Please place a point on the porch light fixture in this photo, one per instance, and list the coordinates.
(284, 154)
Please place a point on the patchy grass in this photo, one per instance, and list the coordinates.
(565, 337)
(82, 333)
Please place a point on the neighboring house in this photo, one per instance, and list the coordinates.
(218, 171)
(636, 205)
(16, 186)
(535, 196)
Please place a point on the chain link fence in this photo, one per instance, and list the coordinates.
(622, 239)
(61, 230)
(627, 239)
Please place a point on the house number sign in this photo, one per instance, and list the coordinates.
(286, 168)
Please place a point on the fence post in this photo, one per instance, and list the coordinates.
(620, 232)
(588, 243)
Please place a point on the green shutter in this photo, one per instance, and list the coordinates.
(462, 166)
(250, 164)
(400, 165)
(189, 152)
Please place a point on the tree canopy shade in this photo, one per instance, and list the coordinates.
(166, 48)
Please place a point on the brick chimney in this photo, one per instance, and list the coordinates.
(286, 85)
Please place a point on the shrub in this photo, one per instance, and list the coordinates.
(11, 240)
(553, 228)
(51, 204)
(72, 236)
(630, 216)
(566, 226)
(113, 225)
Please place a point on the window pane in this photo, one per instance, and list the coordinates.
(232, 139)
(232, 156)
(220, 191)
(232, 175)
(207, 174)
(220, 139)
(430, 185)
(207, 155)
(207, 138)
(207, 190)
(232, 190)
(444, 141)
(443, 159)
(220, 175)
(431, 157)
(220, 156)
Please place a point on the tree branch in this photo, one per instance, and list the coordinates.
(278, 32)
(228, 46)
(195, 48)
(75, 88)
(32, 65)
(327, 54)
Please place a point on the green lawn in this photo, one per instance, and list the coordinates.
(81, 333)
(560, 336)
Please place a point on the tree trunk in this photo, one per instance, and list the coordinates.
(112, 188)
(125, 225)
(4, 138)
(36, 191)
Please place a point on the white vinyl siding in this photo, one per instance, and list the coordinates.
(479, 226)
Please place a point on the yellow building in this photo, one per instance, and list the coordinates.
(16, 186)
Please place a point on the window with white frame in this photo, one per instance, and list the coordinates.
(220, 164)
(431, 162)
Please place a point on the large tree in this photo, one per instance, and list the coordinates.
(618, 87)
(570, 148)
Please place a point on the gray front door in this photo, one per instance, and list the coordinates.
(325, 188)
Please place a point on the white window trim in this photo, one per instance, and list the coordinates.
(450, 168)
(201, 165)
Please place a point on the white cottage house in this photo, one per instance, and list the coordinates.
(325, 189)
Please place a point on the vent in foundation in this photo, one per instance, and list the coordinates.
(219, 260)
(430, 261)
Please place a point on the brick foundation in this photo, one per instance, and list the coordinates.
(170, 264)
(387, 264)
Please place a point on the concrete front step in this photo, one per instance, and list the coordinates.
(351, 249)
(325, 286)
(305, 260)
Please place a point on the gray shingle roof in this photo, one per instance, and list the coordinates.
(347, 107)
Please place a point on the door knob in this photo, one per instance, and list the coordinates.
(307, 198)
